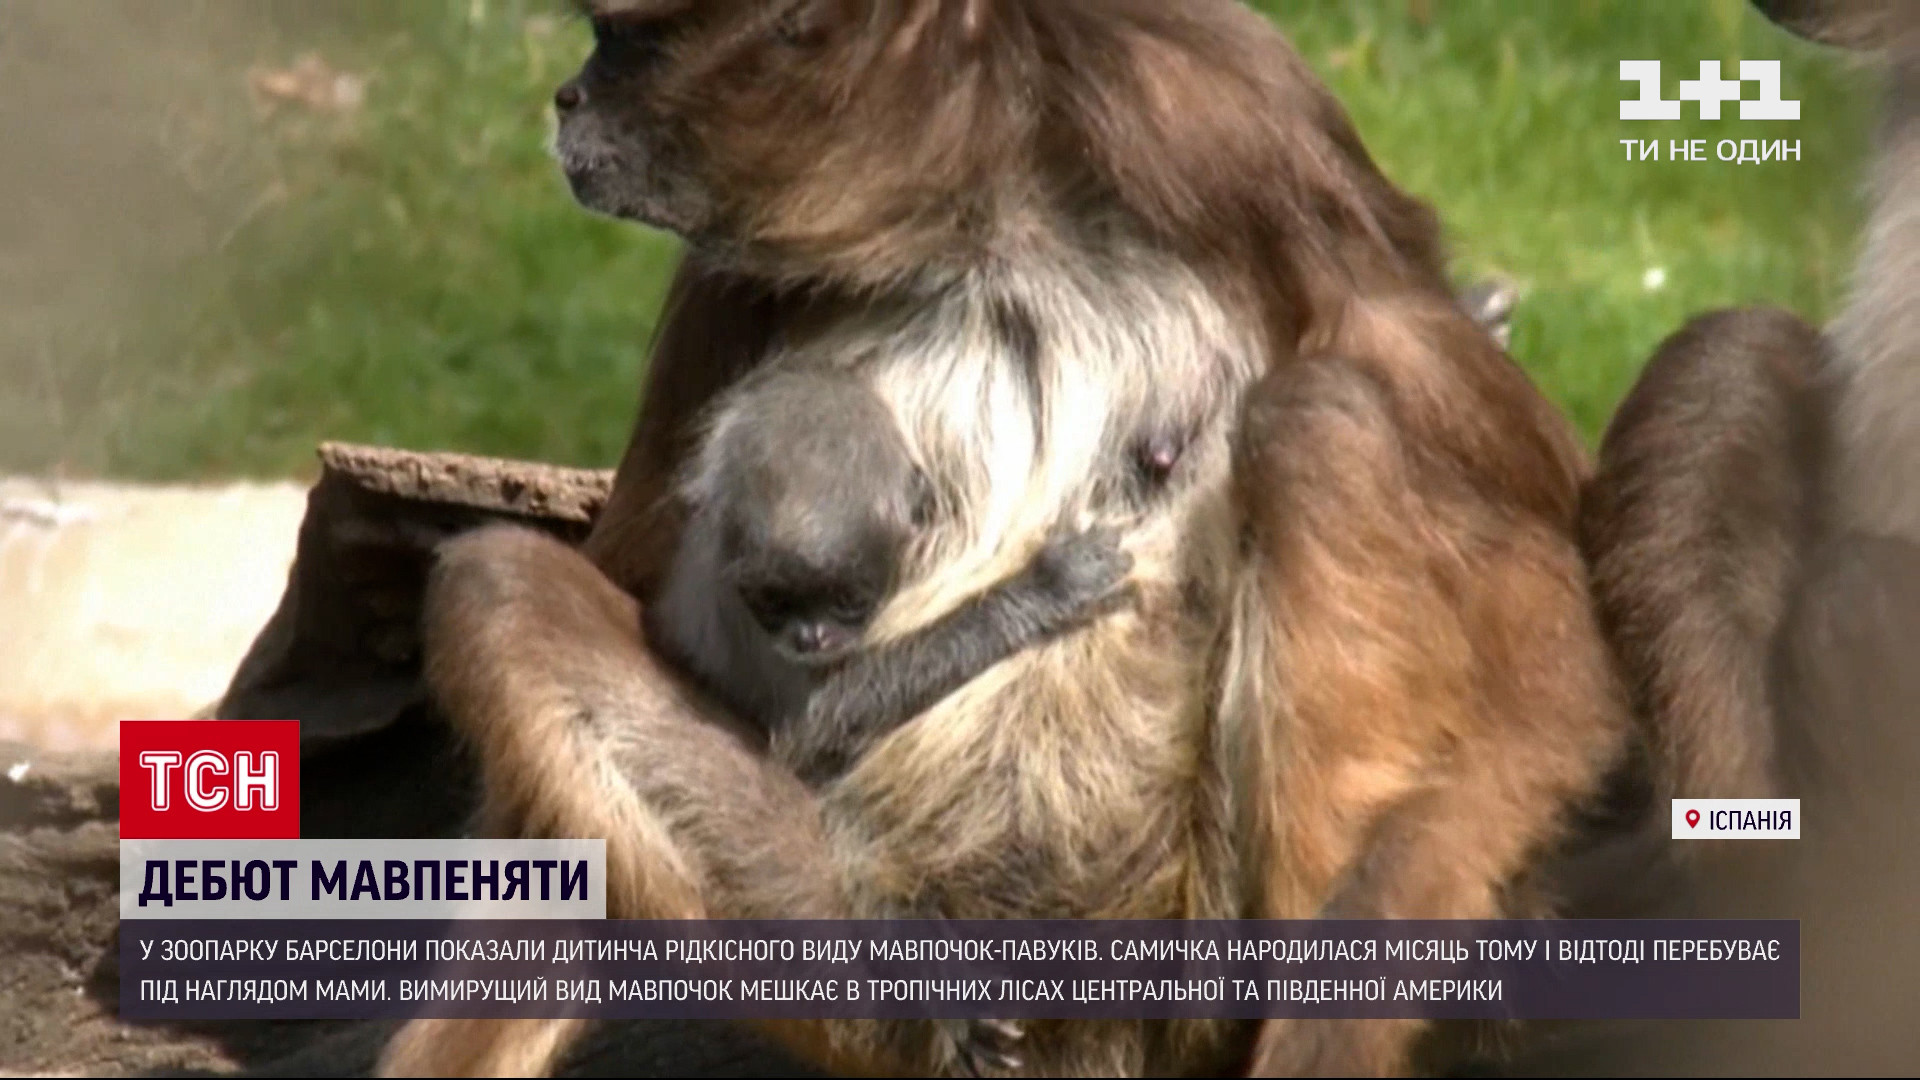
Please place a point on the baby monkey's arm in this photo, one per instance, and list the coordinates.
(1074, 579)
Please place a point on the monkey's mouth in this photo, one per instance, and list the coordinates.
(609, 189)
(581, 154)
(597, 180)
(591, 182)
(606, 179)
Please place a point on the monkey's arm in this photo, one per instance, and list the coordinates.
(536, 660)
(1072, 580)
(1448, 695)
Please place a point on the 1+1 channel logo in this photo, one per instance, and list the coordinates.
(1709, 92)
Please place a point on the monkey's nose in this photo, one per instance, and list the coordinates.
(569, 97)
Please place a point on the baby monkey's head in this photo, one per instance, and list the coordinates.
(816, 498)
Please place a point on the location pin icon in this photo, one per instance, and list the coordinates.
(1693, 818)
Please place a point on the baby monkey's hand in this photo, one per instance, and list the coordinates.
(1079, 576)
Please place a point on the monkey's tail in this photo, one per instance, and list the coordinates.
(1695, 527)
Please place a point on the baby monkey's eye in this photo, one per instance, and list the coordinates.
(922, 499)
(854, 611)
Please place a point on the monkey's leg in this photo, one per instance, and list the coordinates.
(1443, 851)
(536, 660)
(1447, 693)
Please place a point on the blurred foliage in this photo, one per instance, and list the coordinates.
(410, 269)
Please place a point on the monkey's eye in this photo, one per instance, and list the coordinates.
(851, 612)
(799, 26)
(628, 41)
(772, 605)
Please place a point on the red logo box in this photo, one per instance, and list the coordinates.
(209, 779)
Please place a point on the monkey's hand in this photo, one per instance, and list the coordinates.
(985, 1047)
(1079, 576)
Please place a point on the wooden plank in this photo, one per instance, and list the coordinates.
(341, 652)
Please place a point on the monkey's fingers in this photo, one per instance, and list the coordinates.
(1123, 595)
(1083, 566)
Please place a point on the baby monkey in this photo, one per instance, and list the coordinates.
(804, 500)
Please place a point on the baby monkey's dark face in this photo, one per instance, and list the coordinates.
(818, 500)
(813, 555)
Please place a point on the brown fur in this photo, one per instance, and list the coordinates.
(1362, 678)
(1441, 679)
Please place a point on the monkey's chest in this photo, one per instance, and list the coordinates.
(1060, 788)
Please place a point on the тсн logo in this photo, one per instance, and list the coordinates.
(209, 779)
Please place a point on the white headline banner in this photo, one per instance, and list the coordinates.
(363, 879)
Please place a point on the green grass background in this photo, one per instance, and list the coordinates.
(415, 274)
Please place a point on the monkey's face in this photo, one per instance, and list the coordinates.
(779, 129)
(813, 592)
(624, 142)
(813, 562)
(810, 618)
